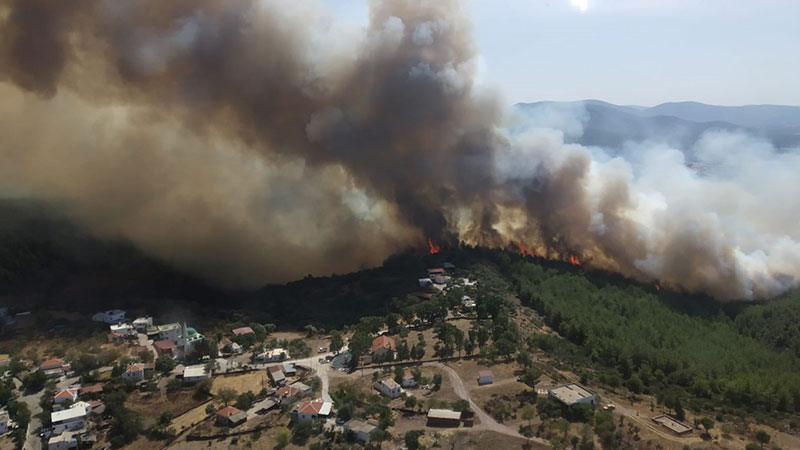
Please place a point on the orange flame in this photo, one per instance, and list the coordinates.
(658, 288)
(574, 260)
(434, 249)
(524, 250)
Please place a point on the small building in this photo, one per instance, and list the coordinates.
(572, 394)
(449, 266)
(96, 388)
(672, 424)
(134, 373)
(467, 302)
(115, 338)
(292, 392)
(289, 369)
(242, 331)
(230, 416)
(110, 316)
(425, 282)
(63, 441)
(50, 364)
(85, 405)
(485, 377)
(389, 388)
(361, 429)
(69, 419)
(194, 374)
(166, 347)
(276, 374)
(409, 381)
(228, 346)
(440, 279)
(313, 409)
(382, 346)
(435, 271)
(123, 329)
(443, 418)
(96, 407)
(170, 331)
(65, 395)
(141, 324)
(4, 422)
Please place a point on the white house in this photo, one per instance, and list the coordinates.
(143, 323)
(134, 373)
(63, 441)
(170, 331)
(572, 394)
(292, 392)
(485, 377)
(65, 395)
(110, 316)
(425, 282)
(409, 381)
(289, 369)
(389, 388)
(86, 405)
(193, 374)
(274, 355)
(70, 419)
(361, 429)
(123, 329)
(311, 410)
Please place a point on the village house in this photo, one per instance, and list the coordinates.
(228, 346)
(69, 419)
(95, 407)
(116, 338)
(194, 374)
(63, 441)
(65, 395)
(141, 324)
(425, 282)
(276, 374)
(123, 329)
(467, 302)
(443, 418)
(110, 316)
(96, 388)
(389, 388)
(135, 372)
(292, 392)
(572, 394)
(289, 369)
(230, 416)
(170, 331)
(382, 348)
(166, 347)
(4, 424)
(53, 368)
(242, 331)
(435, 271)
(361, 430)
(313, 409)
(409, 381)
(274, 355)
(485, 377)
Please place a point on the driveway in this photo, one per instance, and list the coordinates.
(32, 439)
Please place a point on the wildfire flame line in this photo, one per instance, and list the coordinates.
(524, 250)
(434, 249)
(574, 260)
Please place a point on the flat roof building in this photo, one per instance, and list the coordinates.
(672, 424)
(572, 394)
(443, 418)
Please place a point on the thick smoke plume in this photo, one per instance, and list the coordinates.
(260, 140)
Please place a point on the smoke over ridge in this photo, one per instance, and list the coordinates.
(257, 140)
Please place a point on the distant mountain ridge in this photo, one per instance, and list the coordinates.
(676, 123)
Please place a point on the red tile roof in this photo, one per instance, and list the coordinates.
(67, 393)
(485, 373)
(288, 391)
(382, 342)
(228, 411)
(436, 270)
(311, 407)
(275, 369)
(52, 362)
(95, 388)
(165, 345)
(242, 330)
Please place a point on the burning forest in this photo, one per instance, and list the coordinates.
(232, 137)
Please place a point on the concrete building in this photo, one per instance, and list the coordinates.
(672, 424)
(572, 394)
(274, 355)
(310, 410)
(409, 381)
(123, 329)
(134, 372)
(170, 331)
(70, 419)
(361, 429)
(63, 441)
(485, 377)
(141, 324)
(443, 418)
(166, 347)
(389, 388)
(242, 331)
(65, 395)
(276, 374)
(194, 374)
(4, 424)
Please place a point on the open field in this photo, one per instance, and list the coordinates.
(190, 418)
(251, 381)
(151, 407)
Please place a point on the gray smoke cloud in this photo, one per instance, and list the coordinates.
(255, 141)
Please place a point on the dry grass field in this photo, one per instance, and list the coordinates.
(251, 381)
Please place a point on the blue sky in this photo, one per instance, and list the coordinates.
(643, 52)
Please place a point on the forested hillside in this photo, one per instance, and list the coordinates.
(652, 346)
